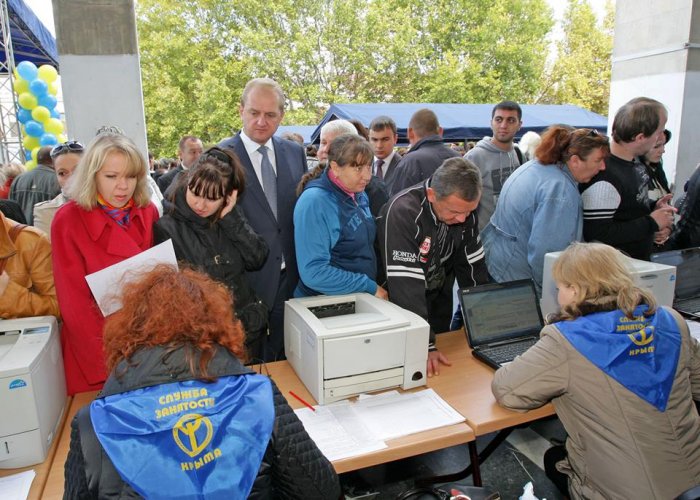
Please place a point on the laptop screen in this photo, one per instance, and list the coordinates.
(500, 311)
(687, 264)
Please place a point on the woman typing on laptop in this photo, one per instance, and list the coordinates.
(622, 374)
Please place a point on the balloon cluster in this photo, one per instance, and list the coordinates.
(36, 90)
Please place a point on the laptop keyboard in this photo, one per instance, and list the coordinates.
(507, 352)
(690, 305)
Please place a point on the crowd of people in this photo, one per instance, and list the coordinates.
(260, 226)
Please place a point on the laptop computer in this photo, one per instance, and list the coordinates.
(501, 320)
(687, 295)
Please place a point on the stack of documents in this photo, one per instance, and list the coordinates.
(348, 429)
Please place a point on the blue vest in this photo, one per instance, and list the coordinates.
(188, 439)
(640, 353)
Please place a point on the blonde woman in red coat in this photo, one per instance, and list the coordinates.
(109, 218)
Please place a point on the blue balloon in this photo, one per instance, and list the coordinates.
(27, 155)
(48, 140)
(34, 128)
(38, 87)
(24, 115)
(48, 101)
(27, 70)
(55, 114)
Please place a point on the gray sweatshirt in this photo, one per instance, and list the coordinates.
(495, 166)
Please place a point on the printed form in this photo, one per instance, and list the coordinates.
(349, 429)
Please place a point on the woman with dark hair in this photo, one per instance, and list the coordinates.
(180, 416)
(334, 231)
(210, 232)
(539, 209)
(109, 218)
(622, 375)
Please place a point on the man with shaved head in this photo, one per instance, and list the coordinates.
(426, 154)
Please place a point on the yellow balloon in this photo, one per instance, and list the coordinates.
(30, 142)
(35, 151)
(30, 165)
(53, 126)
(41, 114)
(27, 100)
(21, 86)
(47, 73)
(53, 88)
(61, 138)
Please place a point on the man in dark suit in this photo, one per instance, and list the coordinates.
(273, 167)
(383, 138)
(189, 150)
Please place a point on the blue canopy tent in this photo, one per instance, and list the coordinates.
(465, 121)
(31, 41)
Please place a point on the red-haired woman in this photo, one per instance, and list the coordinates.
(180, 416)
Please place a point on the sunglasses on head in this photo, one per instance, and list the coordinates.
(67, 147)
(219, 154)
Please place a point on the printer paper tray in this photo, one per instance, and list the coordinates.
(344, 387)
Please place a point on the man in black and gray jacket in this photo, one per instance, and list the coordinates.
(428, 236)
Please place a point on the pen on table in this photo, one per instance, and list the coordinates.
(302, 401)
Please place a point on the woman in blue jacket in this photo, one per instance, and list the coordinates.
(334, 230)
(539, 209)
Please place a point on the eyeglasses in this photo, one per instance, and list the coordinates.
(66, 147)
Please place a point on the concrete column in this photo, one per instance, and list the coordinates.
(100, 72)
(656, 54)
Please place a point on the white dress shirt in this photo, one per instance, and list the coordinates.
(251, 148)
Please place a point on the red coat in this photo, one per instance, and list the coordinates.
(85, 242)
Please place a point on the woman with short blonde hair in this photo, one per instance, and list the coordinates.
(83, 188)
(109, 218)
(622, 374)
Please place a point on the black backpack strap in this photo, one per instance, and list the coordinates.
(518, 153)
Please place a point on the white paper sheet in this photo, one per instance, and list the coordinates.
(694, 327)
(403, 414)
(106, 284)
(338, 432)
(348, 429)
(16, 486)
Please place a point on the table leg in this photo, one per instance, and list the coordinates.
(474, 458)
(474, 467)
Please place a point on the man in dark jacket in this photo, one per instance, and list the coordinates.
(428, 236)
(35, 186)
(426, 154)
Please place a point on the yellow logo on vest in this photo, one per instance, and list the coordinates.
(642, 338)
(188, 427)
(192, 434)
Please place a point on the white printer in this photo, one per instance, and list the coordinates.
(659, 278)
(345, 345)
(32, 389)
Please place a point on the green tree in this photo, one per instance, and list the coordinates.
(196, 56)
(581, 73)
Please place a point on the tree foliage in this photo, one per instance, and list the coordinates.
(581, 73)
(196, 56)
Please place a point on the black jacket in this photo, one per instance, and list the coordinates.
(686, 234)
(422, 255)
(292, 467)
(224, 250)
(421, 161)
